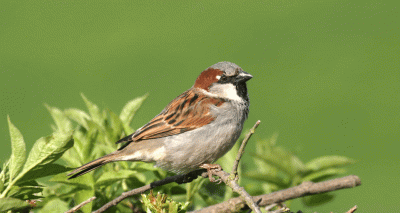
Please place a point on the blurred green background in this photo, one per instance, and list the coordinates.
(326, 72)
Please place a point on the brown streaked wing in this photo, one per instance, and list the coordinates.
(191, 105)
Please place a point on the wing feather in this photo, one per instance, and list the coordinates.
(186, 112)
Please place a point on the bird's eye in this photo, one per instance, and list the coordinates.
(222, 78)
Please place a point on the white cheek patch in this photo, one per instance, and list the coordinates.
(218, 77)
(224, 91)
(230, 92)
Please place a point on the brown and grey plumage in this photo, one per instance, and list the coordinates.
(196, 128)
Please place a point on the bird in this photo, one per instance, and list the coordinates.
(193, 130)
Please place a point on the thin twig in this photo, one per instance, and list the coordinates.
(177, 178)
(304, 189)
(233, 184)
(231, 181)
(352, 209)
(281, 210)
(241, 149)
(76, 208)
(269, 207)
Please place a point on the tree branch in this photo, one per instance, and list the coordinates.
(241, 149)
(77, 207)
(233, 184)
(304, 189)
(352, 209)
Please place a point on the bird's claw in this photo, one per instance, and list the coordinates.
(209, 168)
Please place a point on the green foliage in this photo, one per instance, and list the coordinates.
(9, 203)
(162, 204)
(94, 135)
(19, 174)
(279, 169)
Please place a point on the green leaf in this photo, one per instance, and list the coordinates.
(43, 171)
(325, 162)
(9, 203)
(62, 122)
(18, 154)
(48, 149)
(81, 181)
(129, 110)
(83, 195)
(94, 110)
(277, 180)
(116, 126)
(78, 116)
(110, 177)
(71, 156)
(1, 185)
(5, 171)
(26, 191)
(54, 205)
(316, 200)
(317, 176)
(278, 161)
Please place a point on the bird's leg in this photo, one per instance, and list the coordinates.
(210, 167)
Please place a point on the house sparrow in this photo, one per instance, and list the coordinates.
(194, 129)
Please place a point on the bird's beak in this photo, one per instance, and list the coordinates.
(243, 77)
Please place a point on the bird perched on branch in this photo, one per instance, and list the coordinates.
(193, 130)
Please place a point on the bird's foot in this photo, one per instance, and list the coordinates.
(209, 168)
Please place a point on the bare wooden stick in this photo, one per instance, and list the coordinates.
(352, 209)
(231, 179)
(269, 207)
(233, 184)
(304, 189)
(76, 208)
(241, 149)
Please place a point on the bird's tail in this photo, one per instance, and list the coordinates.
(93, 165)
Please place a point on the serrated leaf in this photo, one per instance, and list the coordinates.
(325, 162)
(48, 149)
(43, 171)
(129, 110)
(18, 153)
(9, 203)
(54, 205)
(60, 119)
(109, 177)
(316, 176)
(78, 116)
(94, 110)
